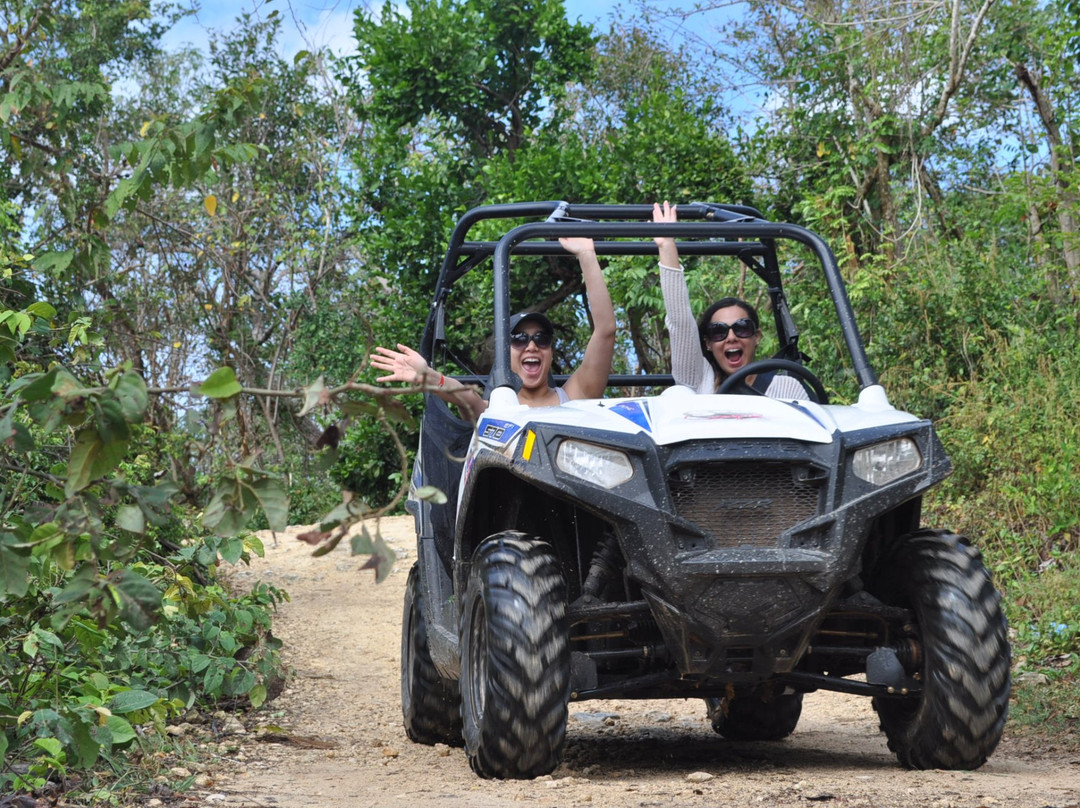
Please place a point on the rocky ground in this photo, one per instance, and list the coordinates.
(334, 738)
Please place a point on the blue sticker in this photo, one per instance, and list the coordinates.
(498, 432)
(636, 411)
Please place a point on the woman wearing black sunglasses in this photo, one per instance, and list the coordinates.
(724, 339)
(531, 351)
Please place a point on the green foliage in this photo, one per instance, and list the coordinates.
(485, 71)
(78, 689)
(1044, 610)
(86, 655)
(92, 545)
(875, 112)
(1047, 710)
(367, 462)
(1016, 481)
(1045, 619)
(242, 491)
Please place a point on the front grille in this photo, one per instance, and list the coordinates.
(745, 503)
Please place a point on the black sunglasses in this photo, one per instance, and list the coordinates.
(744, 328)
(520, 339)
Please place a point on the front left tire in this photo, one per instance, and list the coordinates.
(958, 720)
(430, 703)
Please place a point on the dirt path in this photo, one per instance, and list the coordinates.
(346, 748)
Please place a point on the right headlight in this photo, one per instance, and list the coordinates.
(884, 462)
(595, 464)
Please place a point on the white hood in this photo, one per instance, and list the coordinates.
(679, 414)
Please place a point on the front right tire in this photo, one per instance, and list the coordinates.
(515, 659)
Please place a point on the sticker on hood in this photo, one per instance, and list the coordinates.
(495, 431)
(635, 411)
(720, 415)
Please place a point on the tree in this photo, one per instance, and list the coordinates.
(257, 238)
(1044, 59)
(486, 71)
(635, 133)
(91, 541)
(596, 138)
(869, 103)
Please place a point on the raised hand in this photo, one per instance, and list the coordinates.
(402, 365)
(578, 245)
(669, 255)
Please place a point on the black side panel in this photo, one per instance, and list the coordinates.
(444, 440)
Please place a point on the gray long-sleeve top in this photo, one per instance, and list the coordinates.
(688, 364)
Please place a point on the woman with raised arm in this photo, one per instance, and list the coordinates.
(531, 351)
(723, 340)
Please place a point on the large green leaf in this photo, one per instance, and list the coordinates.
(54, 262)
(90, 459)
(121, 729)
(231, 548)
(84, 745)
(431, 494)
(274, 499)
(15, 434)
(109, 417)
(315, 395)
(226, 514)
(131, 519)
(14, 566)
(382, 559)
(129, 701)
(328, 546)
(140, 600)
(362, 543)
(221, 383)
(352, 407)
(240, 494)
(346, 511)
(58, 381)
(257, 695)
(130, 391)
(78, 586)
(154, 500)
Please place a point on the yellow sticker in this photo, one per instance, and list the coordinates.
(530, 441)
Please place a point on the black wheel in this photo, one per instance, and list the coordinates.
(957, 721)
(515, 659)
(755, 718)
(800, 372)
(430, 703)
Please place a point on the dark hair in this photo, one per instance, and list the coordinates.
(706, 318)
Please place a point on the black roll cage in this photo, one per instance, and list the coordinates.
(712, 229)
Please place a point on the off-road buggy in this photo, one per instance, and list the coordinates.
(736, 548)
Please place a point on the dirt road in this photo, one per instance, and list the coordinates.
(346, 747)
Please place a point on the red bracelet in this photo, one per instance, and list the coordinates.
(441, 380)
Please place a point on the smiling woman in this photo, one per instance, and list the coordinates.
(725, 339)
(531, 340)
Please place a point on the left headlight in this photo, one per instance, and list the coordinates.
(884, 462)
(594, 464)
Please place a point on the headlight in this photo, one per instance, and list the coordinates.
(885, 462)
(595, 464)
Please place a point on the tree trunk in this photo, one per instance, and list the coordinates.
(1063, 169)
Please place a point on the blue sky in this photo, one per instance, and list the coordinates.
(329, 23)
